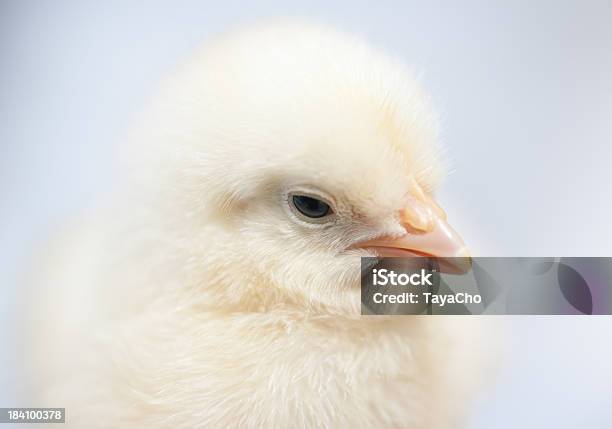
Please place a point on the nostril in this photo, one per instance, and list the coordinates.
(416, 218)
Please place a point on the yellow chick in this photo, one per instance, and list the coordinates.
(219, 286)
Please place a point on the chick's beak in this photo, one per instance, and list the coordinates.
(427, 234)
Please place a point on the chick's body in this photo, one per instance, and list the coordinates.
(199, 297)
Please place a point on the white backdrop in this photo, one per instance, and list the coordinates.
(525, 92)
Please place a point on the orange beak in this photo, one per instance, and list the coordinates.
(428, 234)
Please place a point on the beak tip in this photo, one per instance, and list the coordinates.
(463, 252)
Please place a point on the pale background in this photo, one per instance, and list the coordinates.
(525, 91)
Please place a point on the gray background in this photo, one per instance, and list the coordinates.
(525, 92)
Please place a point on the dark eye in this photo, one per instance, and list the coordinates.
(311, 207)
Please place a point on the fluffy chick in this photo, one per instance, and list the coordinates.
(200, 297)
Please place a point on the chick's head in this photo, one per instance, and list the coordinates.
(284, 153)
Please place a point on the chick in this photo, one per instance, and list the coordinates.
(220, 285)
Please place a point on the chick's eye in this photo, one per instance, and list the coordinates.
(311, 207)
